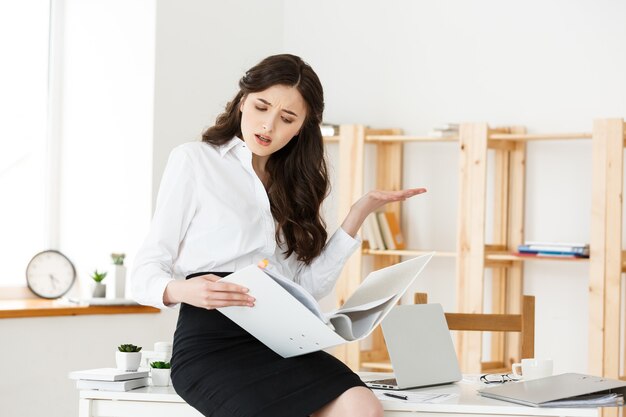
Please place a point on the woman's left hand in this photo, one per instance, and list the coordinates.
(371, 202)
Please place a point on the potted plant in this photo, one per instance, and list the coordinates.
(99, 289)
(128, 357)
(160, 372)
(116, 284)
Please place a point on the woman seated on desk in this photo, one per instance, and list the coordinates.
(252, 189)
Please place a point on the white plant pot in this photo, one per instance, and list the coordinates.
(99, 290)
(116, 282)
(160, 377)
(127, 361)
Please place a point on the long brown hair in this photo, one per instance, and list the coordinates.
(298, 177)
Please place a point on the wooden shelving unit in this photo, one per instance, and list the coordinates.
(607, 257)
(472, 253)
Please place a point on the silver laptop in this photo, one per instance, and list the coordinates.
(420, 348)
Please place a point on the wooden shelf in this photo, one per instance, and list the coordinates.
(512, 256)
(407, 252)
(505, 147)
(543, 136)
(403, 138)
(395, 139)
(48, 308)
(455, 138)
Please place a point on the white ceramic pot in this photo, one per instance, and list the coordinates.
(160, 377)
(128, 361)
(99, 290)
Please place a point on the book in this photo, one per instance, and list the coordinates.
(551, 255)
(396, 233)
(107, 374)
(547, 249)
(118, 386)
(386, 231)
(442, 133)
(376, 232)
(444, 130)
(448, 126)
(534, 243)
(564, 390)
(369, 232)
(288, 320)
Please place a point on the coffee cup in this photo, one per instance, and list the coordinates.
(533, 368)
(164, 349)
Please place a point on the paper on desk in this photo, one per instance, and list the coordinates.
(415, 397)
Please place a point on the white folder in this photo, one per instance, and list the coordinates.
(288, 320)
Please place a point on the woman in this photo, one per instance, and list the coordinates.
(252, 189)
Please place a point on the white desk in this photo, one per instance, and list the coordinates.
(164, 402)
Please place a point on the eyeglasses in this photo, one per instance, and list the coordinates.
(497, 378)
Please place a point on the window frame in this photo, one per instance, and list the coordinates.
(52, 145)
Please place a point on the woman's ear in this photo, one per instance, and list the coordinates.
(241, 103)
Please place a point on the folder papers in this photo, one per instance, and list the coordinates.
(564, 390)
(288, 320)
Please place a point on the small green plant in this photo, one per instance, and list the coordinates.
(118, 258)
(98, 276)
(160, 365)
(128, 348)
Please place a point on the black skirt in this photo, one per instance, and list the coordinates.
(223, 371)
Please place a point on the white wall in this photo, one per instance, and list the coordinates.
(551, 66)
(203, 49)
(39, 353)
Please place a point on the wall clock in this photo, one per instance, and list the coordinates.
(50, 274)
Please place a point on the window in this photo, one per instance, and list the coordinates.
(24, 202)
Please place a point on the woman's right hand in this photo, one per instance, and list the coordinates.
(205, 291)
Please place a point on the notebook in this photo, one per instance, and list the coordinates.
(420, 348)
(577, 389)
(107, 374)
(119, 386)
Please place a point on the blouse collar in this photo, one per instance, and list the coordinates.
(228, 146)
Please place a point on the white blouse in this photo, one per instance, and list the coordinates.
(213, 214)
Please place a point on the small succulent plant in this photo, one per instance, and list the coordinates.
(129, 348)
(160, 365)
(98, 276)
(118, 258)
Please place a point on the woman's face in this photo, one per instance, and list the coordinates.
(271, 118)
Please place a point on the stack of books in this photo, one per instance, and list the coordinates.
(382, 231)
(109, 379)
(571, 250)
(444, 131)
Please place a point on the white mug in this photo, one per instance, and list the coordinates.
(533, 368)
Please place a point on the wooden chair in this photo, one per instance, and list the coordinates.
(523, 323)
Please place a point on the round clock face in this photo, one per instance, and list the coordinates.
(50, 274)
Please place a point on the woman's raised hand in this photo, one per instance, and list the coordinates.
(205, 291)
(371, 202)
